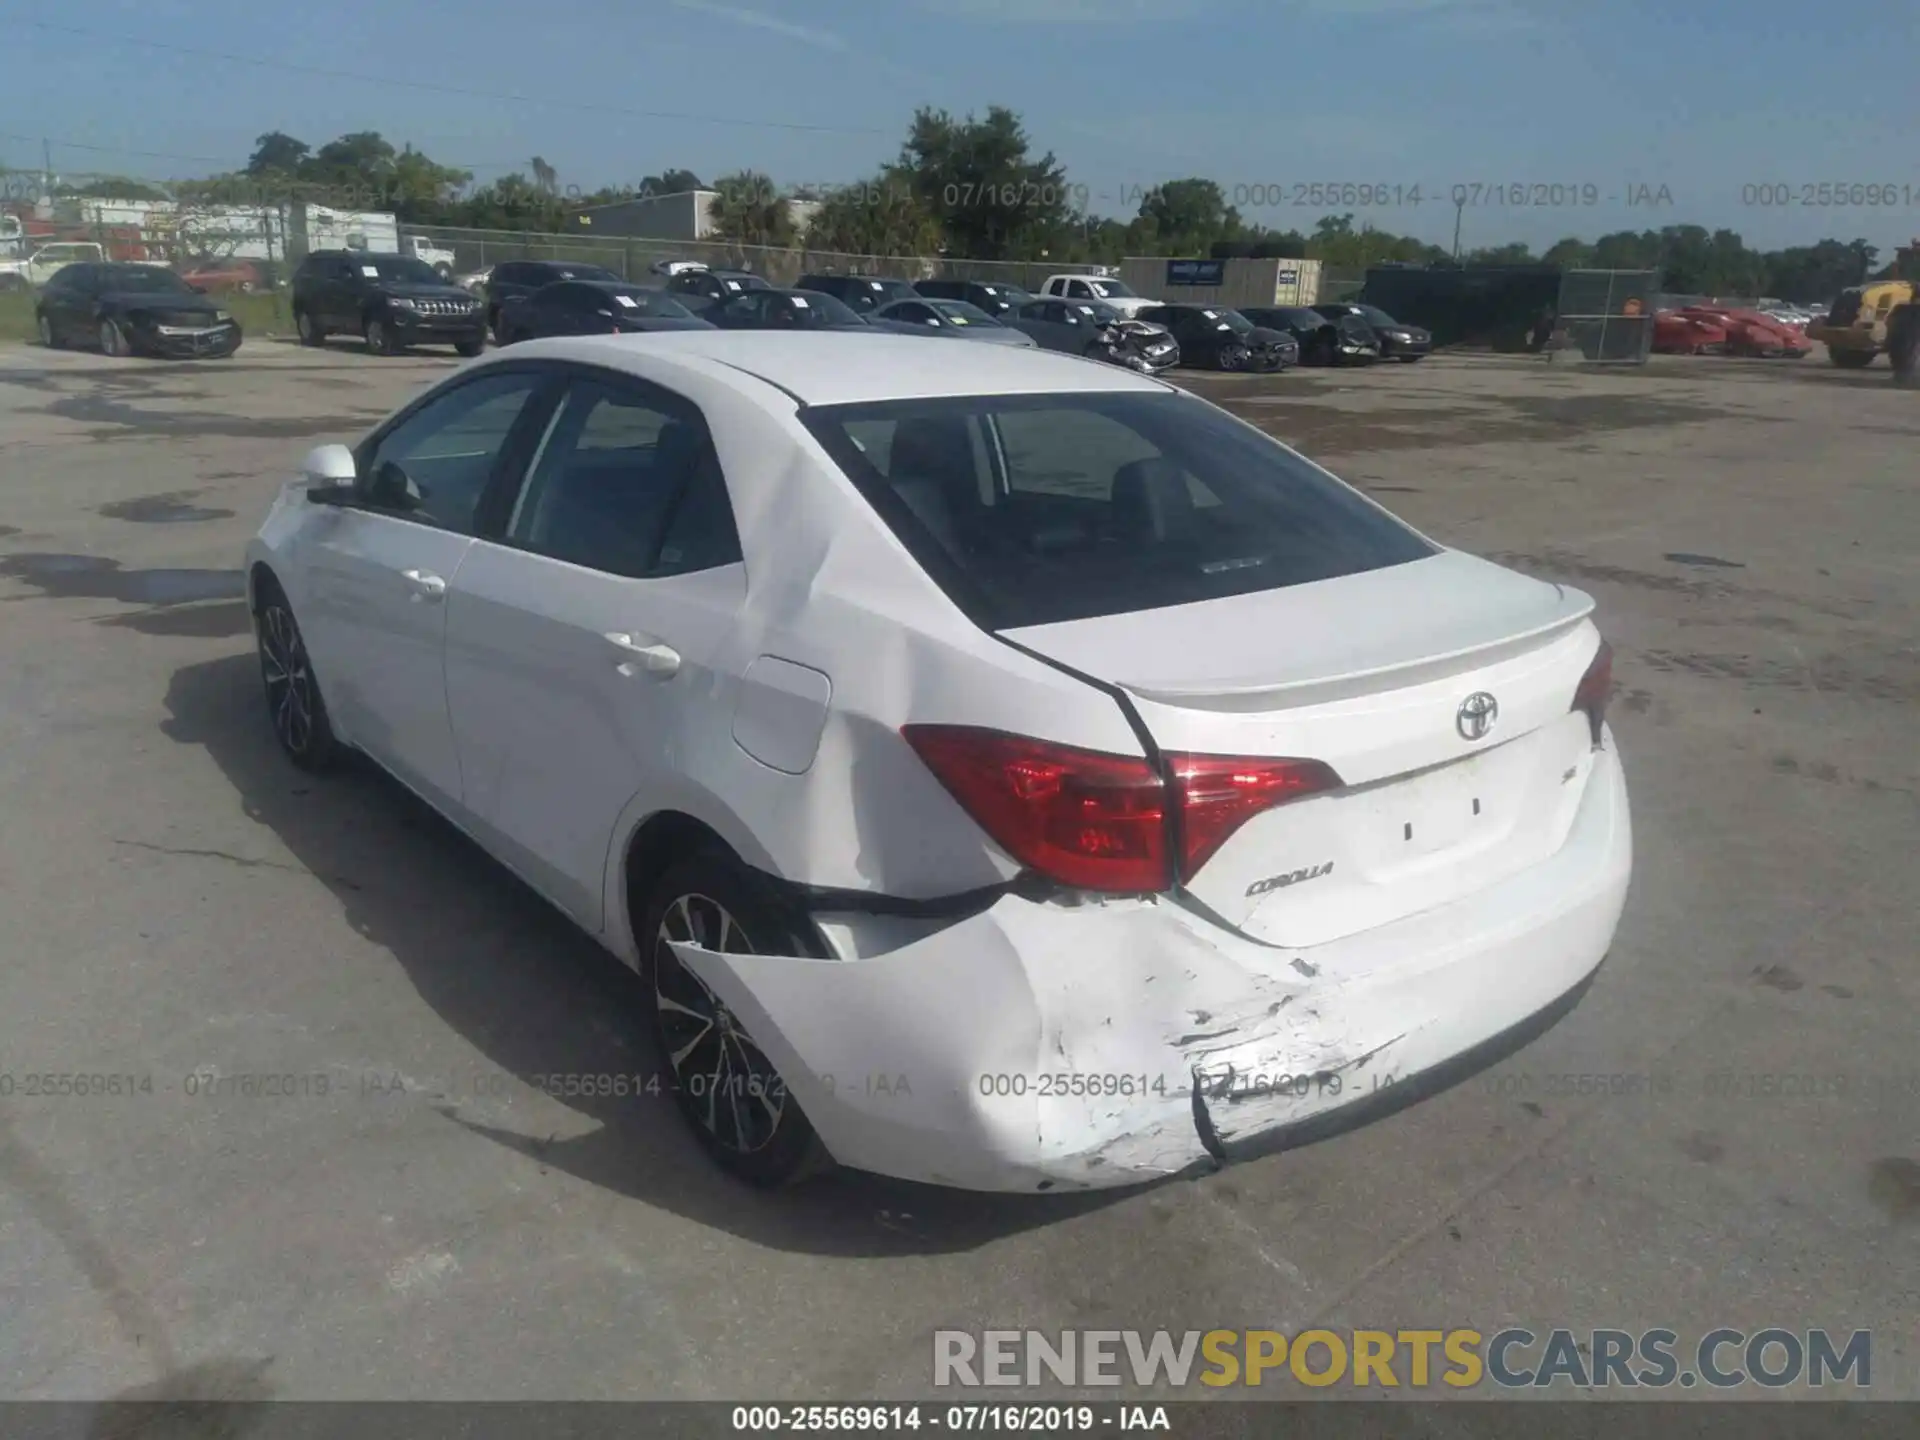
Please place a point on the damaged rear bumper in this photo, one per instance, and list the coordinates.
(1112, 1042)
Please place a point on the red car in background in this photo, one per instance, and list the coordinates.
(1686, 332)
(220, 276)
(1749, 332)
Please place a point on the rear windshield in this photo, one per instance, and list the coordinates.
(1032, 510)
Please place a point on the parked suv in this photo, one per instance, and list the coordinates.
(512, 281)
(862, 294)
(392, 301)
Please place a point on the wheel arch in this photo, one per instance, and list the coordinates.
(260, 578)
(652, 843)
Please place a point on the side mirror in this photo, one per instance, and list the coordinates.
(330, 473)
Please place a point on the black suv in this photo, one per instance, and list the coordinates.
(861, 293)
(393, 301)
(996, 299)
(514, 280)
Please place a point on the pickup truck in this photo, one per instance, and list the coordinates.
(1112, 292)
(39, 267)
(421, 248)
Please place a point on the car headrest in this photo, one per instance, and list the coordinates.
(933, 447)
(677, 447)
(1151, 499)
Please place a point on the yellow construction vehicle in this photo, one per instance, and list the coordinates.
(1856, 329)
(1903, 323)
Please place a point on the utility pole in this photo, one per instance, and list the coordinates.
(1459, 209)
(46, 172)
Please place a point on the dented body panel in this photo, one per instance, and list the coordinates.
(1105, 1043)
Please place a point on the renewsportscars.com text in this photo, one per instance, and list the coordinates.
(1721, 1359)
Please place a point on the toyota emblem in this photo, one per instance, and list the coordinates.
(1477, 714)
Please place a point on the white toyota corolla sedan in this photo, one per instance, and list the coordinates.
(1006, 771)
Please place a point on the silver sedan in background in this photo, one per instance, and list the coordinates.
(956, 318)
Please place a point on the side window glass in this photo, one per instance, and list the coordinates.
(628, 484)
(435, 464)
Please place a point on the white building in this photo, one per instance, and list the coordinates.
(686, 216)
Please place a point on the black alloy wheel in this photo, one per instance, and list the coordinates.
(727, 1089)
(294, 706)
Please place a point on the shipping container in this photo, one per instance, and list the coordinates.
(1225, 283)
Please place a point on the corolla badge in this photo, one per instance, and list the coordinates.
(1476, 716)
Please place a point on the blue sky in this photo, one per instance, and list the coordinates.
(1704, 97)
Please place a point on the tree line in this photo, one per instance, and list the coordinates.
(973, 188)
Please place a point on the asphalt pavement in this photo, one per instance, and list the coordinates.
(1722, 1133)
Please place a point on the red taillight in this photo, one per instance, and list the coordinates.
(1083, 818)
(1095, 821)
(1220, 793)
(1595, 689)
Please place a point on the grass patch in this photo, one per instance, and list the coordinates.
(258, 314)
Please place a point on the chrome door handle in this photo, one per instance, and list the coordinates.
(426, 586)
(640, 654)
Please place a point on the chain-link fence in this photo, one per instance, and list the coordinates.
(633, 257)
(1607, 315)
(260, 256)
(1339, 283)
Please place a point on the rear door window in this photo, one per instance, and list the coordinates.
(1033, 510)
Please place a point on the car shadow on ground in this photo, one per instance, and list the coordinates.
(535, 997)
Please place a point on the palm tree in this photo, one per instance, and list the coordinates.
(749, 210)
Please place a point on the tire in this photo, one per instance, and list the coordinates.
(768, 1142)
(312, 332)
(49, 337)
(379, 337)
(1231, 358)
(494, 328)
(294, 705)
(469, 348)
(1903, 347)
(113, 340)
(1851, 359)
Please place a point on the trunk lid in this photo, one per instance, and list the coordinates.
(1371, 674)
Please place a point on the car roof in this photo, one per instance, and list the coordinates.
(840, 367)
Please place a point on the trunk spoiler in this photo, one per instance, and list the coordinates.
(1329, 687)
